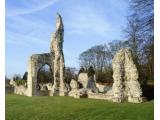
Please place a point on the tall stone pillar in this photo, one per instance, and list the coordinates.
(29, 78)
(58, 61)
(32, 77)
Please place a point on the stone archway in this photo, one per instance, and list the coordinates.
(45, 78)
(36, 62)
(55, 59)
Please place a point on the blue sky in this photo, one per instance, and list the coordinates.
(29, 24)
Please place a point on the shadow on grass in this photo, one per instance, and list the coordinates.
(148, 91)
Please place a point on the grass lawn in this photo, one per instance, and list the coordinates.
(67, 108)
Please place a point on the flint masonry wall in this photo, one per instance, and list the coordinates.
(125, 75)
(55, 59)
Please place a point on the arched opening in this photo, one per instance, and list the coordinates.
(45, 78)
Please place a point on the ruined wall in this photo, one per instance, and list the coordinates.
(125, 75)
(20, 90)
(55, 59)
(74, 88)
(83, 79)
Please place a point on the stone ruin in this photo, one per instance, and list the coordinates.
(81, 87)
(55, 59)
(125, 75)
(125, 87)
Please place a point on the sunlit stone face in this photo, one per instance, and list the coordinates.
(55, 60)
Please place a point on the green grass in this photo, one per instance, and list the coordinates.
(67, 108)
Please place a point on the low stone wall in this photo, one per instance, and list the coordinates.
(136, 99)
(21, 90)
(103, 88)
(101, 96)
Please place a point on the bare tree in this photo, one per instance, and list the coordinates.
(100, 58)
(17, 77)
(140, 36)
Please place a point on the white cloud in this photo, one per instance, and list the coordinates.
(28, 7)
(27, 31)
(23, 40)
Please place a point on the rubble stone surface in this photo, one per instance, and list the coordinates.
(55, 59)
(125, 75)
(21, 89)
